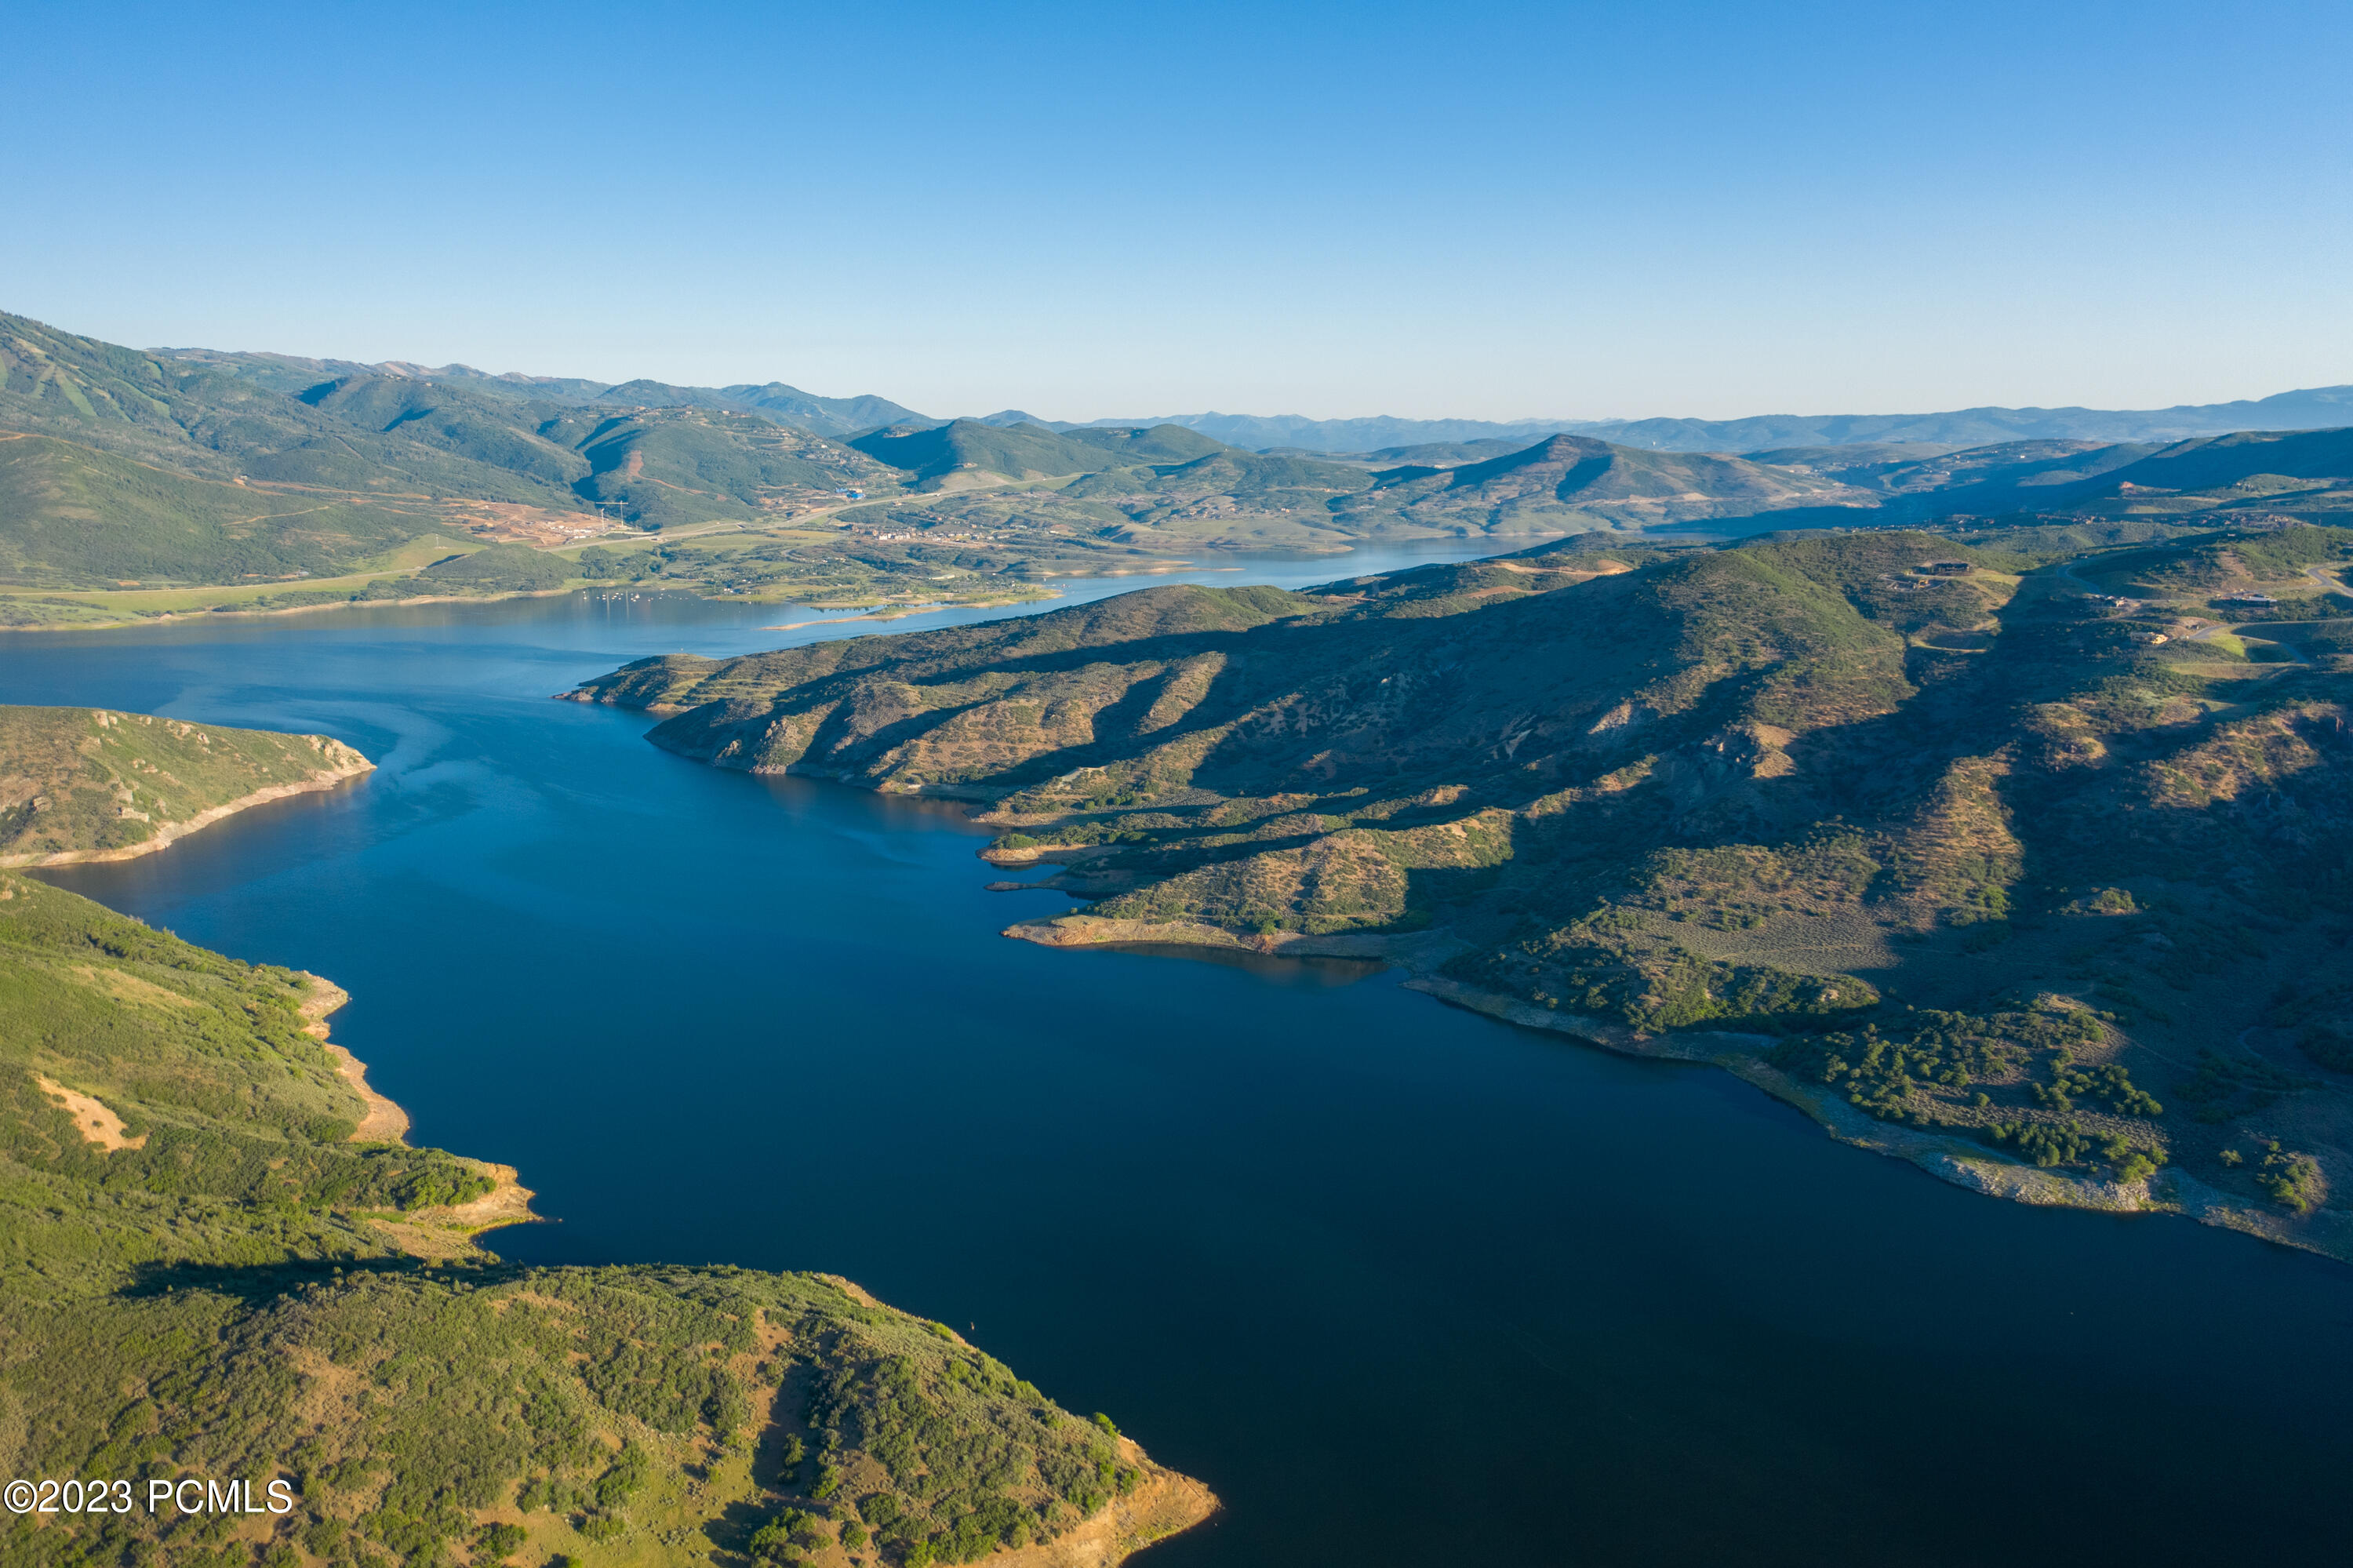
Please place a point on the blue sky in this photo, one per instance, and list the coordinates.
(1492, 211)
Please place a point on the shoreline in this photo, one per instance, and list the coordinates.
(163, 617)
(432, 1233)
(124, 622)
(1167, 1502)
(170, 833)
(1963, 1162)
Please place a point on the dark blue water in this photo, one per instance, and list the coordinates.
(1405, 1285)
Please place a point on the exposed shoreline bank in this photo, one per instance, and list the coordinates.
(1961, 1162)
(1166, 1503)
(1163, 1504)
(355, 766)
(434, 1232)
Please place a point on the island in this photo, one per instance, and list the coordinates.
(2017, 849)
(219, 1259)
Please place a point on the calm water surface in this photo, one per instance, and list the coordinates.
(1405, 1285)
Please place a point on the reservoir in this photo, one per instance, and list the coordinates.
(1405, 1285)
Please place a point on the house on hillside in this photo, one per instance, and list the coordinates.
(2263, 599)
(1942, 568)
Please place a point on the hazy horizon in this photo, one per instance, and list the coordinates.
(411, 363)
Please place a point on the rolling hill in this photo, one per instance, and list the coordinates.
(194, 467)
(965, 451)
(2047, 893)
(361, 435)
(1566, 483)
(773, 400)
(218, 469)
(664, 466)
(2301, 472)
(74, 517)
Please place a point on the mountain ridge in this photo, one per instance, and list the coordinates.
(2311, 408)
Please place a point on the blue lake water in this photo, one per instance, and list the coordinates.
(1406, 1287)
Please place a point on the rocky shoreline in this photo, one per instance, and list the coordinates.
(344, 763)
(1964, 1163)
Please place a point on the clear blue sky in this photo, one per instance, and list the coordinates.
(1492, 211)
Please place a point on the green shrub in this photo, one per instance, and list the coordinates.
(496, 1543)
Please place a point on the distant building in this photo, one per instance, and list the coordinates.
(1945, 568)
(2264, 598)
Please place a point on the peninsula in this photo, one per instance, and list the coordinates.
(84, 784)
(2016, 850)
(219, 1259)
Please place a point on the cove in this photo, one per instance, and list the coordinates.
(1403, 1285)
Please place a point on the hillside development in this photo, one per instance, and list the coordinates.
(210, 1269)
(83, 784)
(2019, 854)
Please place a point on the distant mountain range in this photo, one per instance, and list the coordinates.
(1261, 432)
(2311, 409)
(773, 401)
(120, 466)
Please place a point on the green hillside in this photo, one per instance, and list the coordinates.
(151, 465)
(965, 451)
(203, 1274)
(662, 467)
(2045, 890)
(784, 405)
(359, 460)
(2317, 455)
(84, 783)
(101, 394)
(1566, 483)
(291, 373)
(2302, 472)
(71, 515)
(1132, 446)
(502, 434)
(1450, 454)
(367, 435)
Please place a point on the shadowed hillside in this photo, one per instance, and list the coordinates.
(2044, 888)
(965, 451)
